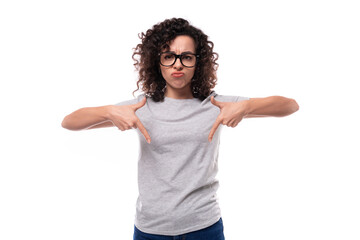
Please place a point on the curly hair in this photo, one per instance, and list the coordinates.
(158, 38)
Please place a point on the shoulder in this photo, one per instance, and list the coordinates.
(131, 101)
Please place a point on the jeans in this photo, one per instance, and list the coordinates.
(213, 232)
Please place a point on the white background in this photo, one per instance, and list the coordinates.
(295, 177)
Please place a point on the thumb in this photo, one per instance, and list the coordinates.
(216, 103)
(140, 104)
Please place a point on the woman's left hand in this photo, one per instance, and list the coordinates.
(231, 113)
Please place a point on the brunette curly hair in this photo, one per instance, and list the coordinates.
(158, 38)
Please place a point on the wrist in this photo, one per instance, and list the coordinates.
(246, 107)
(105, 112)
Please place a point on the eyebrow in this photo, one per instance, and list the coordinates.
(181, 53)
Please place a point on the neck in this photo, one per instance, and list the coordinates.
(178, 94)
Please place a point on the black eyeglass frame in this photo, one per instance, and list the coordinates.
(179, 56)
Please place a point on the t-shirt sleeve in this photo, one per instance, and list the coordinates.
(130, 101)
(230, 98)
(241, 98)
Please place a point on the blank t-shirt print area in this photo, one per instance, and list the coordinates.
(177, 170)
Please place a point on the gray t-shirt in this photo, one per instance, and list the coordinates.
(177, 170)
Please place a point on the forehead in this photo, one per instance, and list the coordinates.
(182, 43)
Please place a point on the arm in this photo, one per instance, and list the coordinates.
(102, 125)
(87, 118)
(273, 106)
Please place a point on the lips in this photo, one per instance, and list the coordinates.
(177, 74)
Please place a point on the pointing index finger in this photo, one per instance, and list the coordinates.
(143, 130)
(214, 128)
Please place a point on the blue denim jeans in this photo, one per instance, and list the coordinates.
(213, 232)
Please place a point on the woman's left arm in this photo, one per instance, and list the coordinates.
(231, 113)
(273, 106)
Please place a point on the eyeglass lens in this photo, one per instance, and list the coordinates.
(187, 60)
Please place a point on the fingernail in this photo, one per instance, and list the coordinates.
(148, 140)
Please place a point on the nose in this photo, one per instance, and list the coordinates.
(177, 63)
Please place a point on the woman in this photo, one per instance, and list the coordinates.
(177, 119)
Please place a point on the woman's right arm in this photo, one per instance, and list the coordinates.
(123, 117)
(87, 118)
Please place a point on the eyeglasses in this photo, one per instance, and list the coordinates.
(168, 59)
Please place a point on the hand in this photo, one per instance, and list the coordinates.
(124, 118)
(231, 113)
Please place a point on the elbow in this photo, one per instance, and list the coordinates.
(294, 106)
(291, 107)
(66, 123)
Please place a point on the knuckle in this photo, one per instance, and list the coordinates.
(120, 127)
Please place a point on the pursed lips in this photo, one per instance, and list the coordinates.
(177, 74)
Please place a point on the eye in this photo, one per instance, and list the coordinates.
(187, 57)
(168, 56)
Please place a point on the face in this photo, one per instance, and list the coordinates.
(180, 44)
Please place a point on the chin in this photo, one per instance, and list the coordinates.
(175, 83)
(179, 86)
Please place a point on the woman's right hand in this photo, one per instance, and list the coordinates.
(124, 117)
